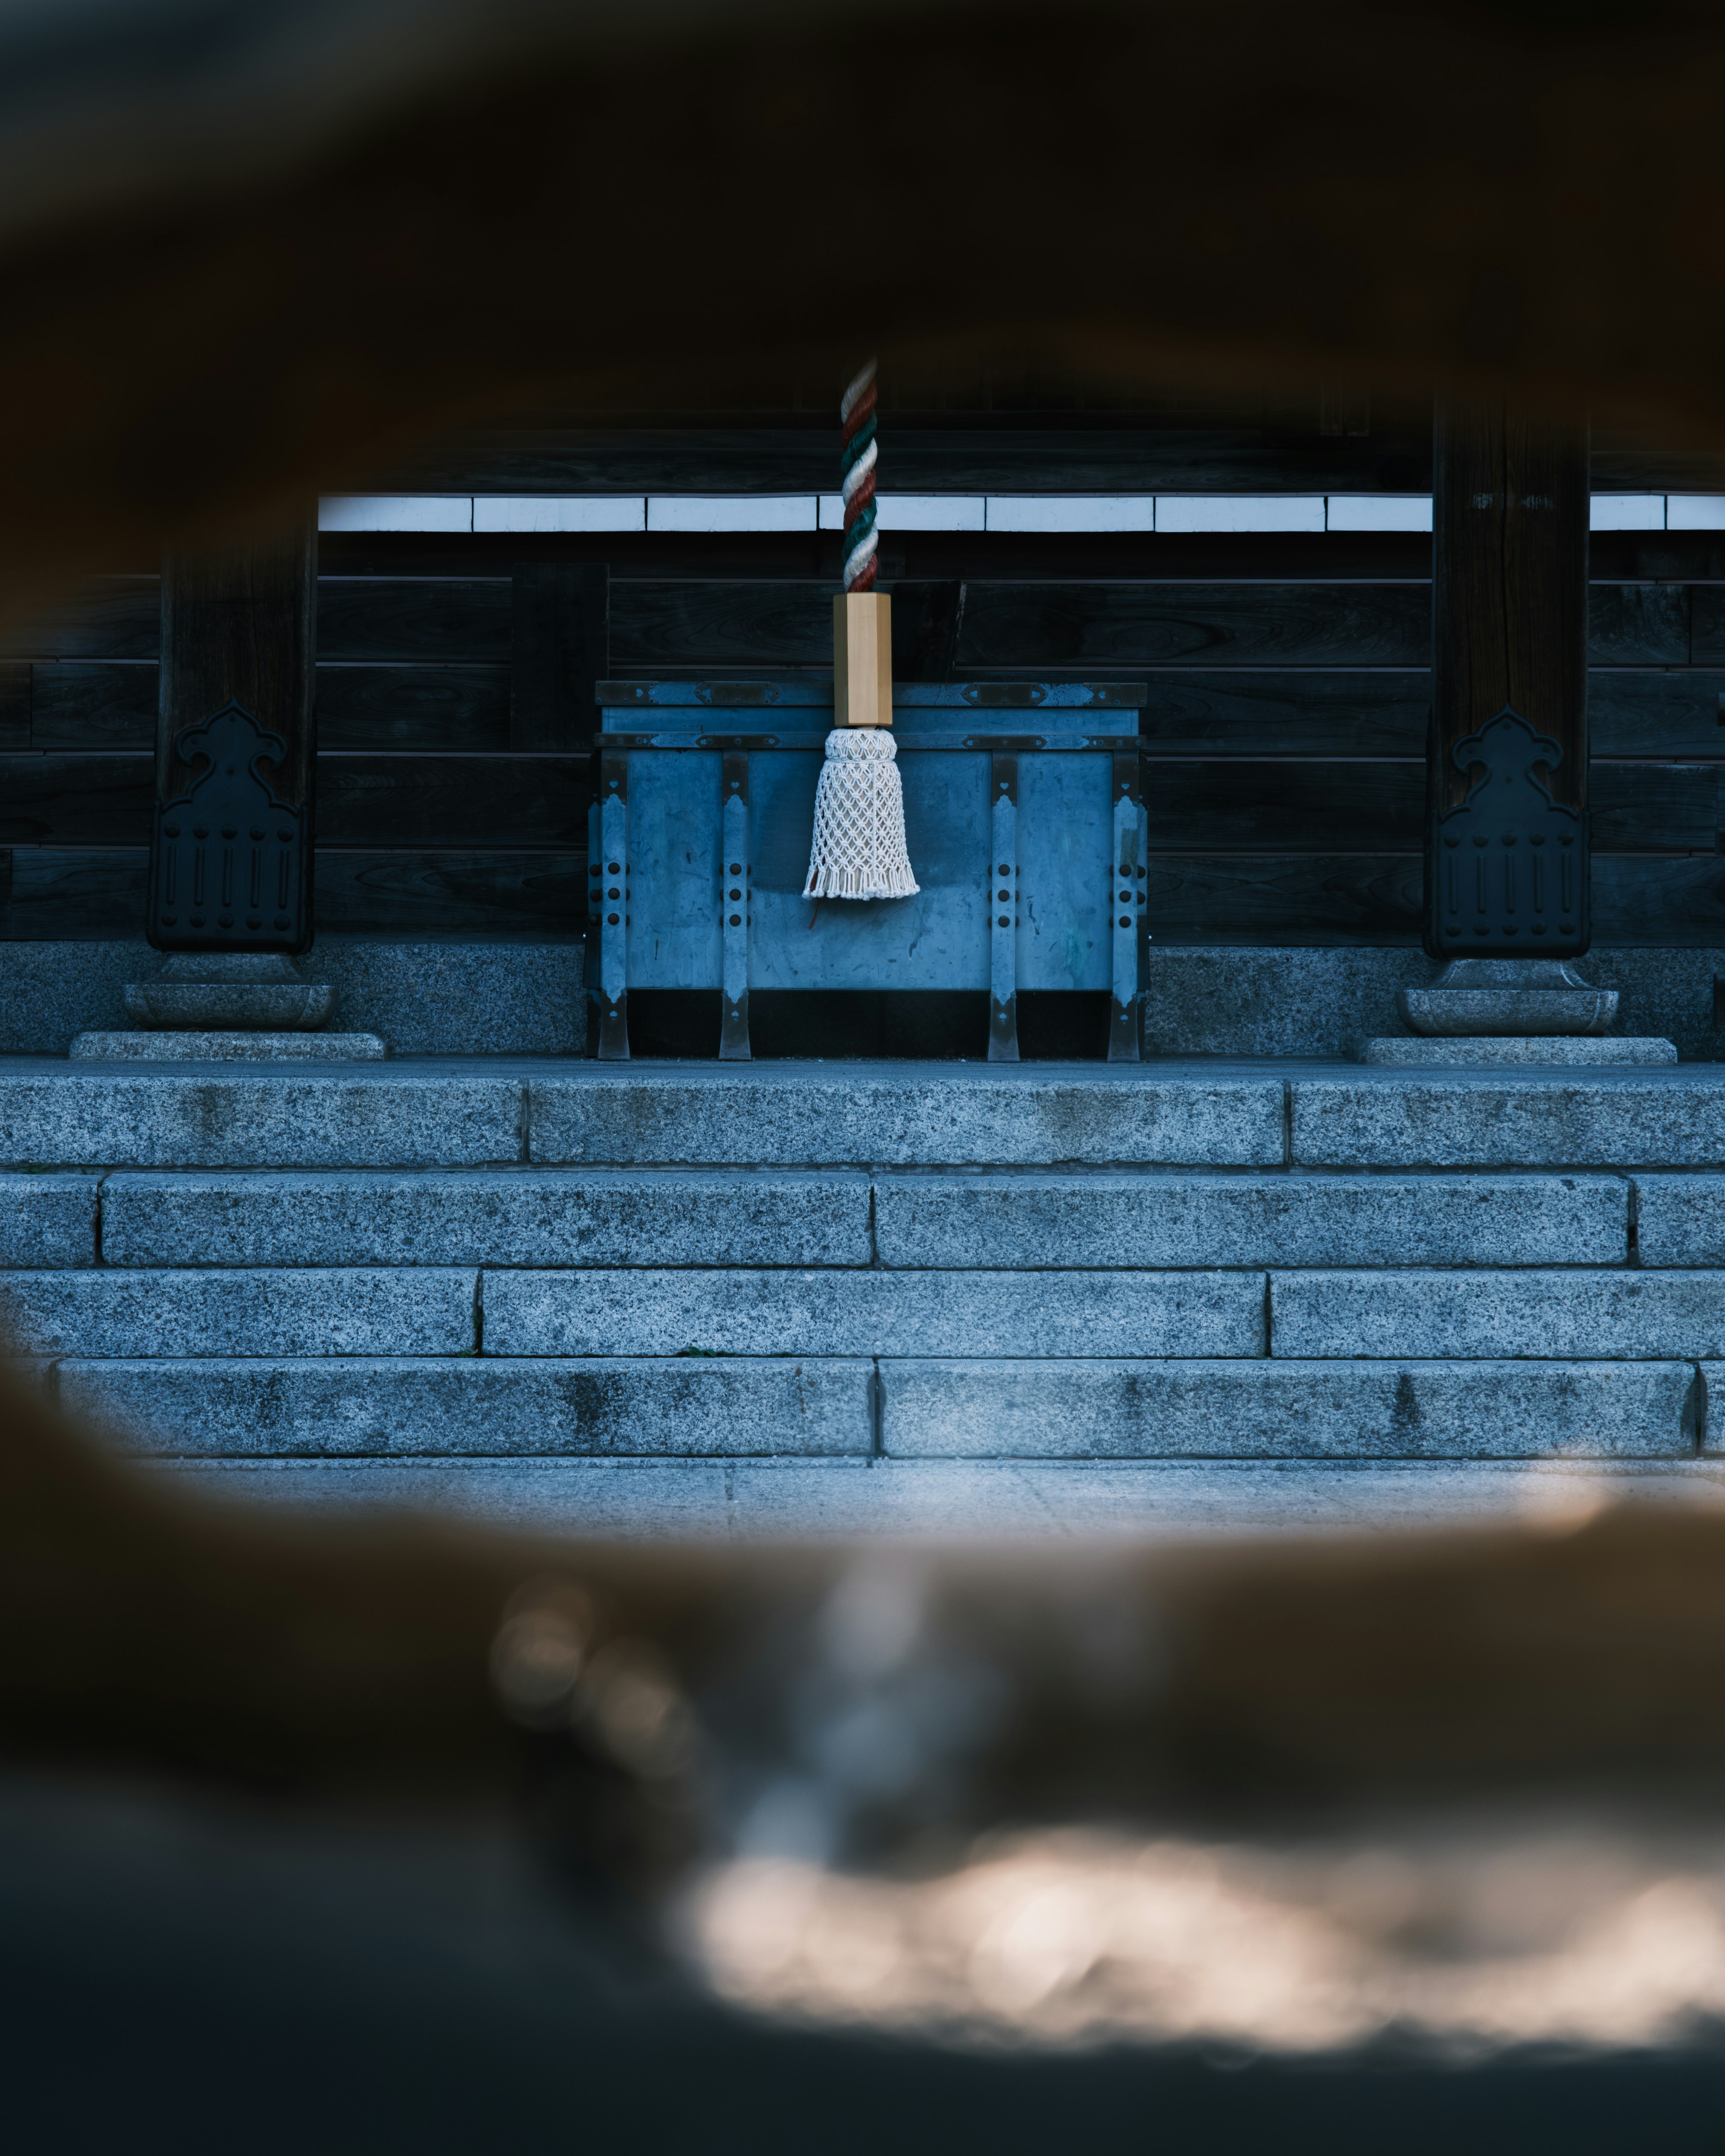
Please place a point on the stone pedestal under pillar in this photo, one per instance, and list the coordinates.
(228, 1008)
(1500, 1011)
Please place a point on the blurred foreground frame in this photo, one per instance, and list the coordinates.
(252, 248)
(251, 251)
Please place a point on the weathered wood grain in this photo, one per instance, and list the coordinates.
(453, 800)
(415, 619)
(69, 894)
(1287, 711)
(429, 709)
(76, 799)
(1060, 627)
(452, 892)
(94, 704)
(1706, 624)
(1313, 805)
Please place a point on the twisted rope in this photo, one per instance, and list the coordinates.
(857, 456)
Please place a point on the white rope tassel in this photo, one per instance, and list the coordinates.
(859, 849)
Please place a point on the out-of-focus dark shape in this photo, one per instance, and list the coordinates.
(250, 248)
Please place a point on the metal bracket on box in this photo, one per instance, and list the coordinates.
(1003, 908)
(1126, 904)
(735, 894)
(614, 909)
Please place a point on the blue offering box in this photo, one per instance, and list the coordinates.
(1022, 815)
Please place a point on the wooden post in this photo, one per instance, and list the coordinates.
(862, 660)
(230, 857)
(1507, 871)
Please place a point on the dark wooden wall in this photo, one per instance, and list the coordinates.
(1284, 736)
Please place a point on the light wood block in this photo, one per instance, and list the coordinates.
(862, 660)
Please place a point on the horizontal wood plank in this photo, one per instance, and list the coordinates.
(111, 704)
(76, 800)
(415, 619)
(455, 892)
(1290, 805)
(1060, 627)
(72, 894)
(94, 704)
(1326, 899)
(453, 800)
(684, 623)
(72, 799)
(426, 708)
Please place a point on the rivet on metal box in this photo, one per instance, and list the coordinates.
(1022, 814)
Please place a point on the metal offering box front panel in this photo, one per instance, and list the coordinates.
(1021, 815)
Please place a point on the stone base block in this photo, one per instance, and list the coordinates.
(1502, 1049)
(228, 1048)
(262, 1407)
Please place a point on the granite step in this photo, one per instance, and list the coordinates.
(475, 1114)
(954, 1220)
(913, 1407)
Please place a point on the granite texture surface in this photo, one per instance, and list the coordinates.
(1156, 1219)
(1613, 1316)
(47, 1219)
(427, 1310)
(1394, 1119)
(515, 1217)
(1258, 1000)
(1508, 1050)
(258, 1406)
(952, 1499)
(873, 1313)
(882, 1114)
(431, 999)
(228, 1048)
(1680, 1220)
(1100, 1410)
(363, 1117)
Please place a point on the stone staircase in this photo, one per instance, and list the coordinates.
(808, 1298)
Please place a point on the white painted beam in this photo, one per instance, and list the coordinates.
(732, 512)
(1695, 512)
(1378, 512)
(1240, 512)
(560, 512)
(1628, 512)
(1072, 512)
(395, 512)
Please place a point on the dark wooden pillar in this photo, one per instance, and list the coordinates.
(230, 857)
(559, 642)
(1506, 843)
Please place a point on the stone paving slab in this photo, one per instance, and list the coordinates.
(428, 1311)
(1038, 1115)
(1611, 1316)
(47, 1219)
(962, 1500)
(1266, 1409)
(260, 1407)
(874, 1313)
(516, 1217)
(1243, 1219)
(363, 1116)
(1681, 1219)
(1404, 1119)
